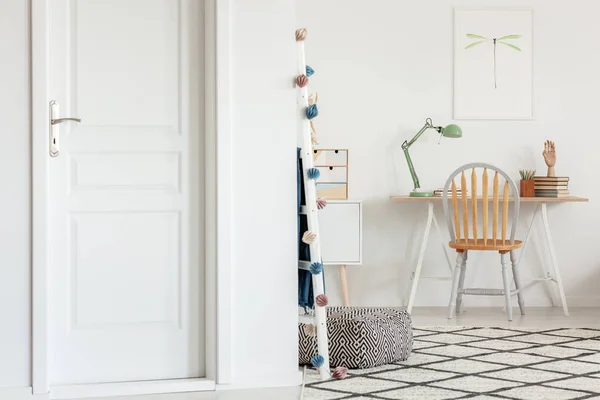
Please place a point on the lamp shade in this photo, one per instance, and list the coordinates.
(451, 131)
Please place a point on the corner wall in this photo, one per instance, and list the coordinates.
(264, 125)
(15, 196)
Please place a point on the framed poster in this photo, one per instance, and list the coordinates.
(493, 63)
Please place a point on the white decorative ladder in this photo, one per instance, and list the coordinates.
(309, 176)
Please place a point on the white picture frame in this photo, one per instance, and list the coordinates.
(493, 63)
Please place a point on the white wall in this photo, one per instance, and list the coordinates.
(264, 117)
(15, 195)
(383, 67)
(264, 199)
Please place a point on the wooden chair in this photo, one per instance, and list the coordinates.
(466, 235)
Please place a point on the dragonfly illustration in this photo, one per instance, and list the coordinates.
(502, 40)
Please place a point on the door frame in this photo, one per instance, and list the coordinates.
(218, 220)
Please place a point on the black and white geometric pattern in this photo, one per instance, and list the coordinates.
(361, 337)
(479, 363)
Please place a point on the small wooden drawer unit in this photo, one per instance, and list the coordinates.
(333, 174)
(333, 166)
(330, 157)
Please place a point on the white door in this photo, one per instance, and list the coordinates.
(126, 281)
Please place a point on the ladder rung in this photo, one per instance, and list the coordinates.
(305, 265)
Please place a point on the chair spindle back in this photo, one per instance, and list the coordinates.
(460, 234)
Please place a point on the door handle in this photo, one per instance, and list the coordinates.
(59, 120)
(55, 120)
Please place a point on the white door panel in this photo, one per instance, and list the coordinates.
(125, 276)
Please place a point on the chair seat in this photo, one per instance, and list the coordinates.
(477, 244)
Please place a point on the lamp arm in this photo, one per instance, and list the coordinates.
(428, 125)
(411, 167)
(415, 138)
(406, 146)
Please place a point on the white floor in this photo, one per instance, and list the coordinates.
(536, 317)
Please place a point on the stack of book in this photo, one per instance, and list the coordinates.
(550, 186)
(440, 192)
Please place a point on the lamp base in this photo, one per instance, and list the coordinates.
(421, 194)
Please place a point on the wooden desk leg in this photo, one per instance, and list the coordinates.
(344, 282)
(561, 290)
(417, 273)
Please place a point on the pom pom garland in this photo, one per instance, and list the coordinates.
(316, 268)
(301, 80)
(300, 35)
(309, 71)
(322, 300)
(312, 111)
(317, 361)
(309, 237)
(313, 173)
(321, 203)
(309, 329)
(340, 373)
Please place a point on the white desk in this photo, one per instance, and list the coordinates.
(551, 275)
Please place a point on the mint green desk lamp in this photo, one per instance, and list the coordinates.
(450, 131)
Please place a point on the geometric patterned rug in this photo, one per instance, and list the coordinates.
(479, 363)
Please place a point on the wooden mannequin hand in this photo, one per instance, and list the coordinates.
(549, 157)
(549, 153)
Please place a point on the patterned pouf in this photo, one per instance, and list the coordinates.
(361, 337)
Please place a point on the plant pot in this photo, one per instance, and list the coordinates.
(527, 188)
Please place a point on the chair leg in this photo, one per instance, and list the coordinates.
(516, 272)
(461, 283)
(455, 280)
(505, 267)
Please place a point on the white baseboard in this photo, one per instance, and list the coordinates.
(20, 393)
(131, 388)
(264, 381)
(269, 381)
(277, 393)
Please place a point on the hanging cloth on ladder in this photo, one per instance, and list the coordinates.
(305, 289)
